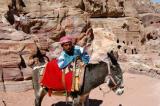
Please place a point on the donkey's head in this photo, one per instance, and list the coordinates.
(114, 79)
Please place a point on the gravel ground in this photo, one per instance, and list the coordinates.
(140, 90)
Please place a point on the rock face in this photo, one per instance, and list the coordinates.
(16, 50)
(156, 7)
(127, 31)
(30, 31)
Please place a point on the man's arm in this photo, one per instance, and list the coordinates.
(84, 55)
(61, 61)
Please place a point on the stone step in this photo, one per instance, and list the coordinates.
(18, 86)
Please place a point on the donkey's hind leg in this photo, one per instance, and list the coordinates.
(38, 89)
(85, 101)
(40, 95)
(81, 100)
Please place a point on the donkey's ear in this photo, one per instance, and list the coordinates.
(113, 56)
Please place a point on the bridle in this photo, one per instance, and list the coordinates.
(110, 76)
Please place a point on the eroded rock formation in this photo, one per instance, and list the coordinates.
(30, 31)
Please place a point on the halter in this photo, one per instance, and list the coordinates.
(110, 76)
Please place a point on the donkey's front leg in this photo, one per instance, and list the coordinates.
(84, 100)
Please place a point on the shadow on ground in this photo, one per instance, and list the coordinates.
(92, 102)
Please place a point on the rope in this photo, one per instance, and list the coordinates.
(110, 74)
(111, 78)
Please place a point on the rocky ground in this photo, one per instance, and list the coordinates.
(140, 90)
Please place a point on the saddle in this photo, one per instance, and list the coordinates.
(71, 77)
(78, 68)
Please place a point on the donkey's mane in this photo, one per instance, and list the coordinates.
(95, 64)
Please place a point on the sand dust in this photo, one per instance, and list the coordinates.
(140, 90)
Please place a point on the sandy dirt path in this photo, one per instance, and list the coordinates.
(140, 90)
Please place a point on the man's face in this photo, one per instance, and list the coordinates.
(67, 46)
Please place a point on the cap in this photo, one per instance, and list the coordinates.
(65, 39)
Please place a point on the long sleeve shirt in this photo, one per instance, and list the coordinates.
(65, 59)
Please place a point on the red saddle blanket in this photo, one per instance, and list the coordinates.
(52, 77)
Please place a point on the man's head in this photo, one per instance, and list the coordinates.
(66, 43)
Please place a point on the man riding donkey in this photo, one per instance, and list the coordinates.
(60, 74)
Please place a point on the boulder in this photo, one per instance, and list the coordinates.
(152, 46)
(18, 86)
(129, 9)
(103, 43)
(103, 8)
(10, 60)
(143, 6)
(12, 74)
(27, 73)
(14, 36)
(146, 64)
(150, 19)
(16, 51)
(75, 25)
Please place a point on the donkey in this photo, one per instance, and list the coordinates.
(95, 75)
